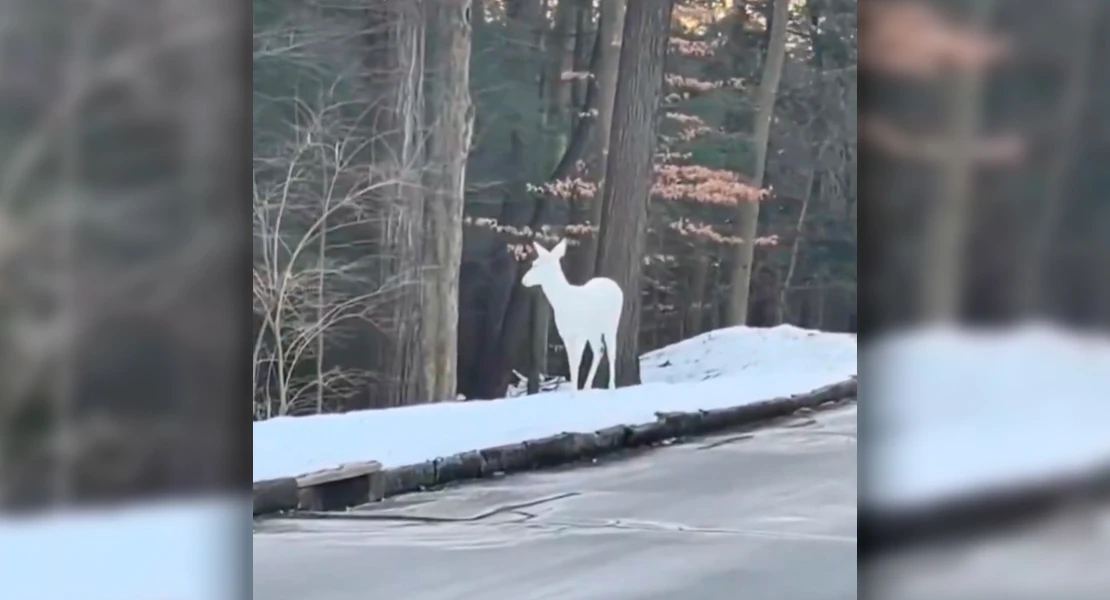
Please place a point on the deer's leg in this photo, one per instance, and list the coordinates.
(611, 354)
(575, 347)
(595, 348)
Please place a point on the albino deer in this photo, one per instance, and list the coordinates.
(584, 314)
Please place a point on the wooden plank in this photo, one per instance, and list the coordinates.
(347, 471)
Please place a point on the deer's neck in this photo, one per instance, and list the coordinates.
(558, 290)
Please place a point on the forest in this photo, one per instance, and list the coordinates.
(407, 154)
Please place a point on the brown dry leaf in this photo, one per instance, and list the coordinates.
(912, 39)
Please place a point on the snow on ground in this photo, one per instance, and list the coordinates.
(948, 412)
(954, 411)
(181, 550)
(722, 368)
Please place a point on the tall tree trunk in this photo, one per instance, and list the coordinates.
(696, 300)
(583, 46)
(748, 212)
(949, 216)
(560, 47)
(396, 57)
(783, 315)
(610, 38)
(822, 302)
(1031, 285)
(628, 170)
(537, 349)
(450, 117)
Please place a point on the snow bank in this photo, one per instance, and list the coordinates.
(955, 411)
(947, 411)
(723, 368)
(178, 550)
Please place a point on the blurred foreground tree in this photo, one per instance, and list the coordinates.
(985, 190)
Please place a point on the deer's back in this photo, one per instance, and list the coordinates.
(595, 304)
(604, 291)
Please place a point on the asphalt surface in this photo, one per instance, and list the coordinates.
(1064, 556)
(764, 515)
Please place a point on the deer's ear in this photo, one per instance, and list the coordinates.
(560, 249)
(540, 250)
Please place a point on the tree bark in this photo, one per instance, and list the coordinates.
(583, 46)
(1031, 280)
(783, 315)
(948, 220)
(449, 116)
(748, 212)
(822, 302)
(560, 59)
(629, 168)
(396, 58)
(537, 350)
(695, 305)
(610, 38)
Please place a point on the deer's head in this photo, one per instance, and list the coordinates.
(546, 267)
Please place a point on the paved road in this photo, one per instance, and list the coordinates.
(1064, 556)
(767, 515)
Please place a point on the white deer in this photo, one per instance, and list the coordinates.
(584, 314)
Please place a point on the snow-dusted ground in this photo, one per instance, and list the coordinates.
(953, 411)
(728, 367)
(947, 411)
(183, 550)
